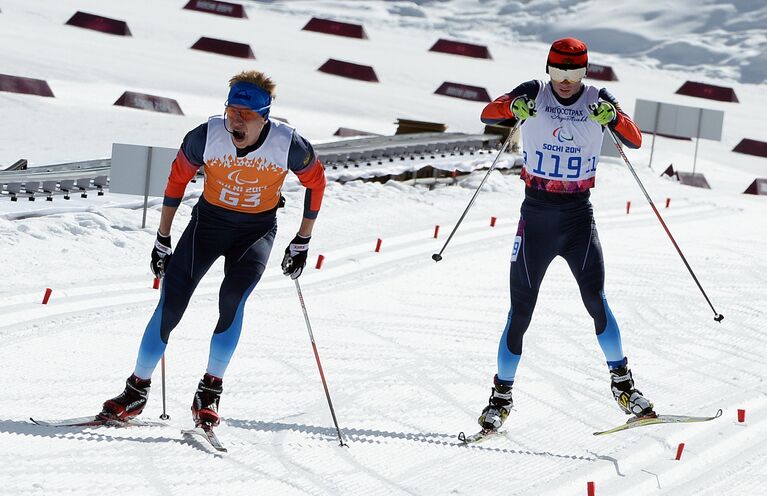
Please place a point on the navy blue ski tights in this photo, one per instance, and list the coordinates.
(245, 241)
(553, 225)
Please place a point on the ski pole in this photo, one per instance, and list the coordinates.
(319, 365)
(164, 415)
(438, 256)
(717, 316)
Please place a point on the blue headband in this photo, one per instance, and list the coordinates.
(251, 96)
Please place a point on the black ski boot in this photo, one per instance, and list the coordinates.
(205, 404)
(630, 399)
(498, 408)
(130, 402)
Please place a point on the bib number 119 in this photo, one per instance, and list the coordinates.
(572, 170)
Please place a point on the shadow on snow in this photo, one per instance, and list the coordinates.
(352, 435)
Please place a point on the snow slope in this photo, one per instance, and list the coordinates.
(721, 39)
(408, 346)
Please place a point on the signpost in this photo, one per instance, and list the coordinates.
(678, 121)
(140, 170)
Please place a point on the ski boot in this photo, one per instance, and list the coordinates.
(631, 400)
(130, 402)
(205, 403)
(498, 408)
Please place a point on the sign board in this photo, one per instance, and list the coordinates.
(710, 91)
(349, 70)
(132, 173)
(678, 120)
(751, 147)
(140, 170)
(224, 47)
(99, 23)
(693, 179)
(337, 28)
(464, 91)
(601, 72)
(461, 48)
(28, 86)
(758, 187)
(149, 102)
(217, 7)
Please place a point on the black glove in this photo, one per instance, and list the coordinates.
(295, 256)
(161, 254)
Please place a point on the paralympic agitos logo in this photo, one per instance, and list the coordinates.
(561, 135)
(235, 176)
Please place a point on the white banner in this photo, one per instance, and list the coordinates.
(678, 120)
(133, 173)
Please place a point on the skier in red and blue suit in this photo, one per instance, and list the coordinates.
(563, 123)
(245, 157)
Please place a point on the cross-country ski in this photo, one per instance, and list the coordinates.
(659, 419)
(205, 432)
(96, 420)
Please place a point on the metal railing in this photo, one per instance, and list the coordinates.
(376, 154)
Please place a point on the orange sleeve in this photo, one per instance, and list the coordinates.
(181, 172)
(626, 130)
(498, 110)
(313, 179)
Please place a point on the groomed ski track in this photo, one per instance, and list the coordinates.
(408, 347)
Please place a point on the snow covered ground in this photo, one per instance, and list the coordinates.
(408, 346)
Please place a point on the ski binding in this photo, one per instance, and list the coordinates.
(478, 437)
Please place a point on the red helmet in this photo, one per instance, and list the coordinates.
(568, 53)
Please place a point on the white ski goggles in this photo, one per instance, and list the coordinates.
(571, 75)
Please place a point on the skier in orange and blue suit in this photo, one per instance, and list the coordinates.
(245, 157)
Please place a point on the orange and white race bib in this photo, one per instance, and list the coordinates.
(251, 183)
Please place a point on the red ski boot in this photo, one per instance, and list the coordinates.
(205, 404)
(130, 402)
